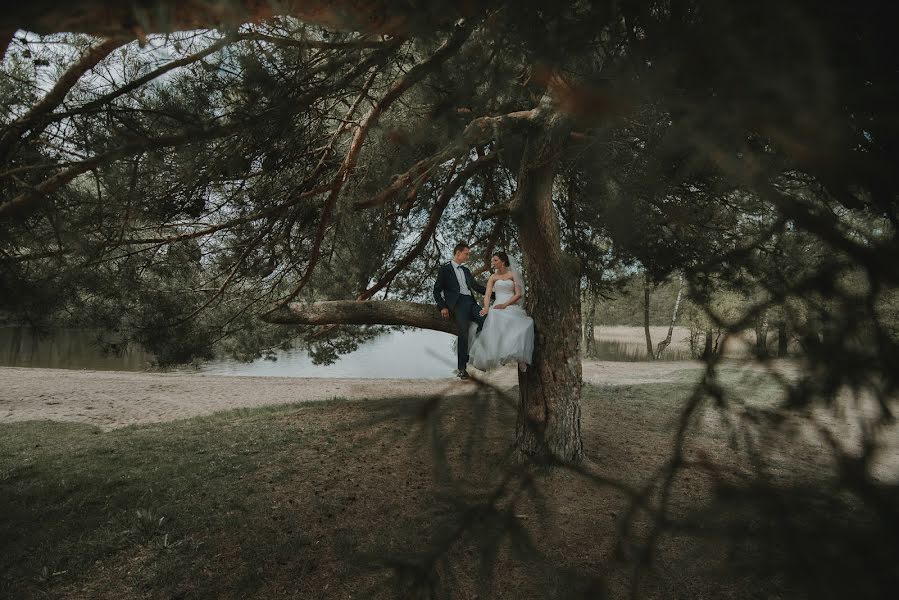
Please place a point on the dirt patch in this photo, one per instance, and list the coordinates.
(111, 399)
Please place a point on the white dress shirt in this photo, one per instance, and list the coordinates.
(460, 275)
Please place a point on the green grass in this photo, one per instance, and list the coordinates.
(309, 501)
(261, 502)
(73, 496)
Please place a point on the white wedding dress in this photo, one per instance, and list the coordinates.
(507, 335)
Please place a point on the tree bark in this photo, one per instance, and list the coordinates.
(31, 121)
(649, 352)
(549, 415)
(664, 343)
(782, 339)
(589, 322)
(371, 312)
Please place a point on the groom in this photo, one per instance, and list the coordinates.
(453, 293)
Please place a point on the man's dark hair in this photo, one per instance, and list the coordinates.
(502, 256)
(459, 246)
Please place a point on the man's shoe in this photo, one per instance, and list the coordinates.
(463, 375)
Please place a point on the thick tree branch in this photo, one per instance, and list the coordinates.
(56, 95)
(485, 129)
(154, 74)
(371, 312)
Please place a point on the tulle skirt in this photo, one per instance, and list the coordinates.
(506, 337)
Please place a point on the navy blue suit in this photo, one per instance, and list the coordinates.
(463, 307)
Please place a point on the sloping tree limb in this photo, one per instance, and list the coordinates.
(56, 95)
(260, 214)
(211, 49)
(154, 74)
(369, 312)
(436, 213)
(27, 199)
(401, 182)
(478, 132)
(344, 126)
(417, 73)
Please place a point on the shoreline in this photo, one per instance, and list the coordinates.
(113, 399)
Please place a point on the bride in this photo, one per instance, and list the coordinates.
(508, 332)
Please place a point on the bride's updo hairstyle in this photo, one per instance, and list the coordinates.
(502, 256)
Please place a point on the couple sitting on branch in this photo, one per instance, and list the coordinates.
(494, 334)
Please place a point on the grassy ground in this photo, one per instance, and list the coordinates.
(416, 496)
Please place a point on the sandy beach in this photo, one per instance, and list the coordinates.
(111, 399)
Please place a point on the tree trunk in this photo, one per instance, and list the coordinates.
(664, 343)
(649, 352)
(589, 322)
(782, 339)
(549, 415)
(707, 350)
(761, 337)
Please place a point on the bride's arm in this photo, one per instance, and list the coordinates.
(487, 294)
(517, 295)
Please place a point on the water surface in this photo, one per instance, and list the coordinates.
(396, 354)
(409, 354)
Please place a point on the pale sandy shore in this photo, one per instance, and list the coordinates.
(111, 399)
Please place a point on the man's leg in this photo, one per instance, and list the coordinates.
(476, 315)
(462, 313)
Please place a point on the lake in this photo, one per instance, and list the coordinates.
(404, 354)
(397, 354)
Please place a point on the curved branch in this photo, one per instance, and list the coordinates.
(415, 74)
(478, 132)
(56, 95)
(256, 216)
(211, 49)
(154, 74)
(400, 182)
(436, 213)
(370, 312)
(28, 198)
